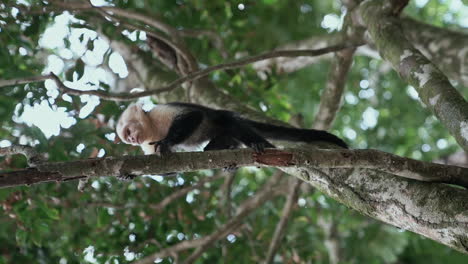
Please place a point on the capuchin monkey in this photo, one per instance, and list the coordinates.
(184, 125)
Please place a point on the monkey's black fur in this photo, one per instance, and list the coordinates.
(227, 130)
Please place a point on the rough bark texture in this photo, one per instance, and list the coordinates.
(446, 48)
(433, 87)
(435, 211)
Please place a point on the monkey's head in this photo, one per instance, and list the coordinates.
(134, 126)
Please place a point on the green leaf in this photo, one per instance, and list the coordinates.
(21, 236)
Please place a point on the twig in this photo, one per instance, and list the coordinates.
(154, 22)
(215, 38)
(150, 21)
(176, 46)
(24, 80)
(198, 74)
(332, 238)
(179, 193)
(226, 194)
(267, 192)
(34, 158)
(285, 214)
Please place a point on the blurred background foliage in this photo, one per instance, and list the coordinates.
(116, 222)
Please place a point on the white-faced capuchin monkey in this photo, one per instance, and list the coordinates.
(189, 125)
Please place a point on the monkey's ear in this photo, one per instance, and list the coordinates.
(117, 139)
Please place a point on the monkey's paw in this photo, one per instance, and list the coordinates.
(126, 177)
(161, 147)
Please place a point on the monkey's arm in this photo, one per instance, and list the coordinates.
(183, 126)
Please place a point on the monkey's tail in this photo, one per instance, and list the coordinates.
(295, 134)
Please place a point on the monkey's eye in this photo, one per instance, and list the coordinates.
(127, 132)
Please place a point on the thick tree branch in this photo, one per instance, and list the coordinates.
(433, 87)
(152, 164)
(436, 211)
(446, 48)
(354, 178)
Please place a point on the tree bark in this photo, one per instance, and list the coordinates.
(432, 85)
(437, 211)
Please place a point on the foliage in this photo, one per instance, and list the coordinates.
(116, 221)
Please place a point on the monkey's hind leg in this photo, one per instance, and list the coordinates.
(251, 139)
(222, 142)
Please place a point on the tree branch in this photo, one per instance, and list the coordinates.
(195, 75)
(432, 85)
(122, 166)
(444, 47)
(216, 40)
(266, 193)
(285, 214)
(182, 192)
(331, 97)
(17, 81)
(250, 205)
(353, 177)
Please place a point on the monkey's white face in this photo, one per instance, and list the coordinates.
(134, 126)
(132, 134)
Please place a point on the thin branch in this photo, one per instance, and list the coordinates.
(282, 224)
(201, 73)
(329, 106)
(226, 194)
(216, 40)
(181, 192)
(34, 158)
(177, 47)
(267, 192)
(24, 80)
(332, 238)
(150, 21)
(331, 97)
(171, 251)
